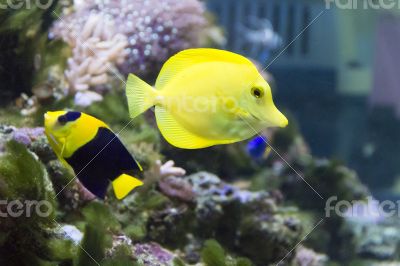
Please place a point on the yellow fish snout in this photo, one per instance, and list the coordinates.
(282, 121)
(275, 118)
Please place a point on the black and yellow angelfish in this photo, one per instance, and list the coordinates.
(94, 152)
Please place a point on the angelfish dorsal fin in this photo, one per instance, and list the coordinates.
(190, 57)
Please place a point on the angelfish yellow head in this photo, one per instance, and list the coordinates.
(257, 100)
(58, 125)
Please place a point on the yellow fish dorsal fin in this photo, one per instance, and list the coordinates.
(124, 184)
(178, 136)
(190, 57)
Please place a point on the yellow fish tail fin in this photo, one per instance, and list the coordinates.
(124, 184)
(141, 96)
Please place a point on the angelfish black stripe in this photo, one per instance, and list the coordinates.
(100, 161)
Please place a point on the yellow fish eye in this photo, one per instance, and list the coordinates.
(257, 92)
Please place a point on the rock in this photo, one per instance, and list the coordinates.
(30, 227)
(242, 220)
(308, 257)
(176, 187)
(376, 241)
(59, 243)
(152, 254)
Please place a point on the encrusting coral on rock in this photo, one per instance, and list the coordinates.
(307, 257)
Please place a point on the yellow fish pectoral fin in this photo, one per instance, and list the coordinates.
(178, 136)
(124, 184)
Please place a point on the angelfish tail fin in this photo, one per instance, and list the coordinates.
(141, 96)
(124, 184)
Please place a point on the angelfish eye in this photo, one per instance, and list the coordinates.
(257, 92)
(69, 117)
(62, 120)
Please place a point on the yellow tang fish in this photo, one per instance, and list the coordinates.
(93, 151)
(205, 97)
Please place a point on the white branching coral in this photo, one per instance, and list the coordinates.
(169, 169)
(96, 49)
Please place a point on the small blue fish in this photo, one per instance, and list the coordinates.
(258, 148)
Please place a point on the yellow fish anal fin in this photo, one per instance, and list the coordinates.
(124, 184)
(187, 58)
(176, 135)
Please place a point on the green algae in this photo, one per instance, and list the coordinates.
(99, 222)
(23, 176)
(213, 254)
(32, 237)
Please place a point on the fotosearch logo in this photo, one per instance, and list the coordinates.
(370, 209)
(26, 4)
(362, 4)
(27, 208)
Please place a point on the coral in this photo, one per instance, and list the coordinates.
(112, 37)
(171, 184)
(307, 257)
(152, 254)
(168, 169)
(158, 172)
(27, 135)
(156, 30)
(176, 188)
(33, 138)
(96, 49)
